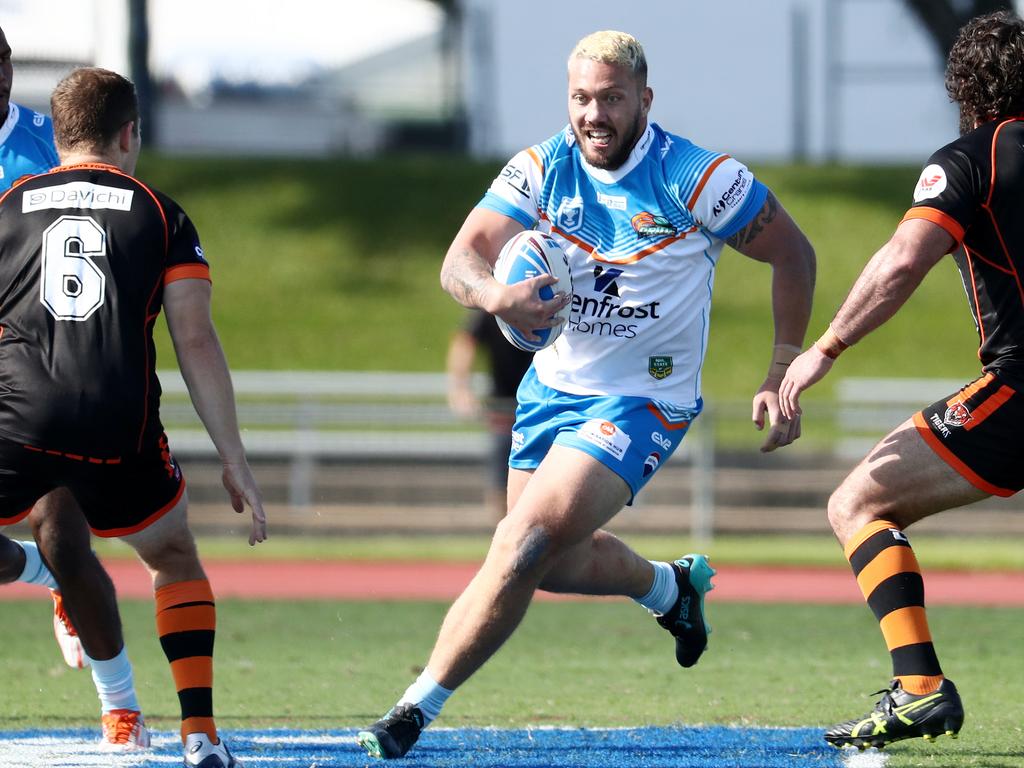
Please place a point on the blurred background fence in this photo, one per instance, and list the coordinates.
(381, 452)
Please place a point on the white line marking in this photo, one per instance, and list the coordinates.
(869, 758)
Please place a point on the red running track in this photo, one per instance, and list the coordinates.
(333, 580)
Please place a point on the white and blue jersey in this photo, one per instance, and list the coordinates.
(26, 145)
(643, 241)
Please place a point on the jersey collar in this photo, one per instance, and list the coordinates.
(640, 150)
(10, 122)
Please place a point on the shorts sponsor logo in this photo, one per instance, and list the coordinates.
(931, 184)
(605, 436)
(77, 194)
(957, 415)
(941, 428)
(647, 224)
(518, 441)
(569, 217)
(660, 366)
(659, 440)
(651, 464)
(170, 465)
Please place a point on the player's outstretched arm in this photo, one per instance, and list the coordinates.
(467, 275)
(205, 370)
(884, 285)
(774, 238)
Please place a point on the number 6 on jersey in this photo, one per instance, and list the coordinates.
(73, 286)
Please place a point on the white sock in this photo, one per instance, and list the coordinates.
(428, 695)
(115, 684)
(35, 571)
(664, 591)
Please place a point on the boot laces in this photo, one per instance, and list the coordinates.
(119, 725)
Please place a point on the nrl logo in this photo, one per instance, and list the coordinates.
(660, 366)
(957, 415)
(569, 216)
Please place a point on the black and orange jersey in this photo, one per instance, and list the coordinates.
(973, 188)
(85, 253)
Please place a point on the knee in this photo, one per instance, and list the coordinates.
(171, 555)
(524, 548)
(848, 512)
(12, 560)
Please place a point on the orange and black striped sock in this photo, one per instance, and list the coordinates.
(186, 619)
(890, 580)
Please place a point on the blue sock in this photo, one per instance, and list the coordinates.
(115, 684)
(35, 571)
(426, 694)
(664, 591)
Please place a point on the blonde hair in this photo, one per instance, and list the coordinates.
(617, 48)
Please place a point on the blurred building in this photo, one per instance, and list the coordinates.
(815, 80)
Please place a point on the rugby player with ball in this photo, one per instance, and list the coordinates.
(642, 217)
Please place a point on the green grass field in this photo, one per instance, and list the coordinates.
(319, 665)
(934, 551)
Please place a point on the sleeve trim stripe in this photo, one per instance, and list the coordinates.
(703, 181)
(537, 161)
(493, 202)
(186, 271)
(942, 219)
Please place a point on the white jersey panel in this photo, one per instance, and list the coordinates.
(642, 242)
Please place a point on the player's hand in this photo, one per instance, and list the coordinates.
(521, 306)
(782, 430)
(463, 402)
(808, 369)
(241, 487)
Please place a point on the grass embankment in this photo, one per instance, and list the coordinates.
(333, 265)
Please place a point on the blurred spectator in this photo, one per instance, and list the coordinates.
(506, 366)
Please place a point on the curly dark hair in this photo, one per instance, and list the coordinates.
(985, 74)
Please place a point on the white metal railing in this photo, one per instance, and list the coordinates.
(303, 417)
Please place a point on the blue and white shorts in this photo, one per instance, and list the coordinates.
(632, 436)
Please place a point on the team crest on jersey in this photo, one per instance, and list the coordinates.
(651, 225)
(569, 216)
(931, 184)
(957, 415)
(660, 366)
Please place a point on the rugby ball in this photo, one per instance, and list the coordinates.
(529, 254)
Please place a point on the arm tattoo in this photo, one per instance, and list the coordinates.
(750, 232)
(464, 276)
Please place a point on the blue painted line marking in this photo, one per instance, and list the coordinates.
(679, 747)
